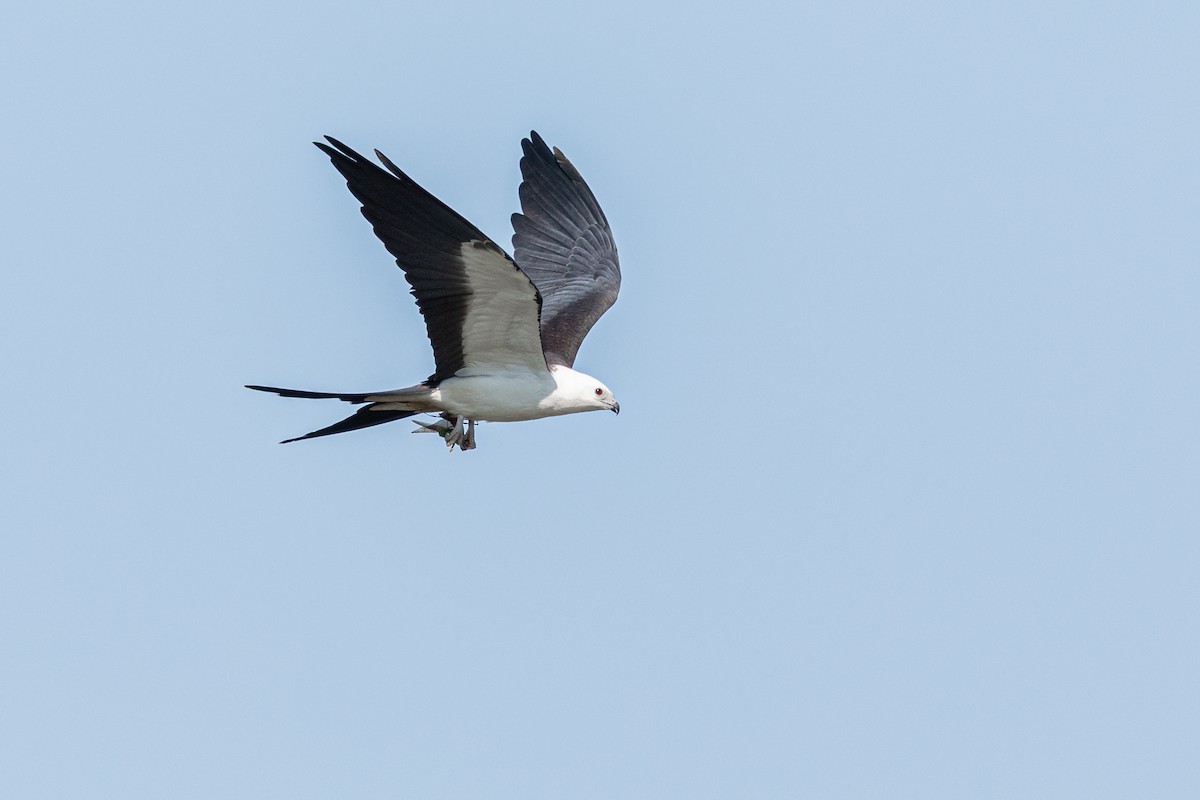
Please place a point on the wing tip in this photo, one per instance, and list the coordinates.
(339, 150)
(387, 162)
(537, 151)
(535, 147)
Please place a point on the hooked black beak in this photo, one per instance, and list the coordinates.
(616, 407)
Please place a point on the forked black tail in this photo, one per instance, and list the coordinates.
(365, 417)
(349, 398)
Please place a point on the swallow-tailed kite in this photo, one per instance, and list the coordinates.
(504, 331)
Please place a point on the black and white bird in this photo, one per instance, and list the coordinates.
(504, 332)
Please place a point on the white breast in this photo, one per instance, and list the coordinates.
(501, 396)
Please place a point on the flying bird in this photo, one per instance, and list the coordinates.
(505, 330)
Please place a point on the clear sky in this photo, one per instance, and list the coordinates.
(902, 502)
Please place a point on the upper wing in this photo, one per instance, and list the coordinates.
(481, 311)
(563, 242)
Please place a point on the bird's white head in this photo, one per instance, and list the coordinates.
(577, 391)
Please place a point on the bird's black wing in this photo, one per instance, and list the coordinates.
(480, 310)
(563, 242)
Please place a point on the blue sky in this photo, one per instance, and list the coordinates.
(902, 501)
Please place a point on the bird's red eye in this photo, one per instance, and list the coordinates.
(599, 393)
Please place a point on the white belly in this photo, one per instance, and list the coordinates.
(504, 396)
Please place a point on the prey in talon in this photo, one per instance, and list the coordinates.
(451, 432)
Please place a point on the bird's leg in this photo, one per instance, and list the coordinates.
(468, 442)
(456, 434)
